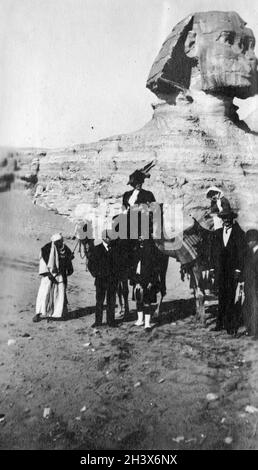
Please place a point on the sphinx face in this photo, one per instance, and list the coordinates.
(210, 51)
(223, 49)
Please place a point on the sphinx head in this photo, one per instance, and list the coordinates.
(210, 51)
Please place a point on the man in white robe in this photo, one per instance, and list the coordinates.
(54, 266)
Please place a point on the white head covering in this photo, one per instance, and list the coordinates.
(57, 236)
(214, 189)
(53, 262)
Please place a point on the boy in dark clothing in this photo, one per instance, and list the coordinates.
(145, 279)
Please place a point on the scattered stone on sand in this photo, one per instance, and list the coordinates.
(10, 342)
(251, 409)
(228, 440)
(212, 396)
(178, 439)
(137, 384)
(46, 413)
(107, 357)
(122, 367)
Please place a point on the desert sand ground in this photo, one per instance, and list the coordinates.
(116, 388)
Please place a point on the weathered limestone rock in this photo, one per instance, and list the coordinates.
(194, 136)
(211, 51)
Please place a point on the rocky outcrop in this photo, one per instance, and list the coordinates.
(18, 169)
(192, 151)
(195, 136)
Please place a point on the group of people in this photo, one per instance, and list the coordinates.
(233, 268)
(109, 262)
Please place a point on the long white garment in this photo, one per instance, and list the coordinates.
(51, 299)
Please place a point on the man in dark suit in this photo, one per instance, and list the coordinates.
(103, 264)
(227, 258)
(137, 195)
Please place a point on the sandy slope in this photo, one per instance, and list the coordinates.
(140, 391)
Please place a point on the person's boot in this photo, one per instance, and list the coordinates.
(139, 321)
(147, 319)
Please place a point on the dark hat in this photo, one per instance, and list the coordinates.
(251, 235)
(138, 176)
(227, 212)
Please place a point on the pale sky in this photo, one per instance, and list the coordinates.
(74, 71)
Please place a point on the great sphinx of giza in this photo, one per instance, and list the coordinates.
(210, 58)
(195, 136)
(211, 51)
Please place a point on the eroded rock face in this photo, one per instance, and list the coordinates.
(210, 51)
(192, 152)
(194, 136)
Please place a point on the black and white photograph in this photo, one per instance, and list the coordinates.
(129, 228)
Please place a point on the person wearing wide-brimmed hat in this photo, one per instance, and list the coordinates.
(218, 204)
(54, 266)
(228, 251)
(138, 195)
(250, 278)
